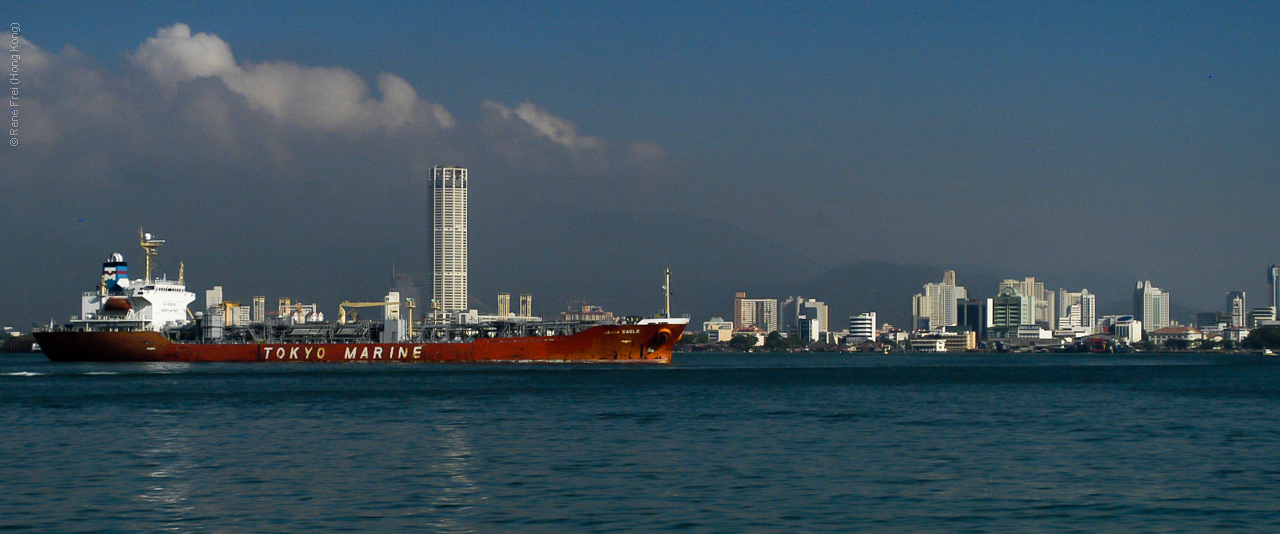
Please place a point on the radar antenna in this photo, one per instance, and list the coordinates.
(149, 245)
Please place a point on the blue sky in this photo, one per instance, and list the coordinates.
(1136, 137)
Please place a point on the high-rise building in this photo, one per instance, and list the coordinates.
(937, 307)
(1009, 311)
(862, 327)
(1077, 310)
(1043, 301)
(1273, 283)
(789, 312)
(1237, 309)
(758, 313)
(449, 239)
(816, 310)
(975, 314)
(1151, 306)
(1262, 316)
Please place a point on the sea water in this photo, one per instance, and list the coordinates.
(710, 443)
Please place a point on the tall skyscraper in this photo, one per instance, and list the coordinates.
(1273, 283)
(1151, 306)
(449, 239)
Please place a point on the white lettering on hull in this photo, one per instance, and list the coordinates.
(292, 353)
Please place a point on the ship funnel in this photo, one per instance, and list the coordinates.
(115, 274)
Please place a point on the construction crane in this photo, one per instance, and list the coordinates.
(342, 308)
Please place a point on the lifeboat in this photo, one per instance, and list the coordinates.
(117, 304)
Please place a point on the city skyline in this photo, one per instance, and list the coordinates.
(750, 147)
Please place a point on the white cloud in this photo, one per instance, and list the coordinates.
(556, 129)
(174, 55)
(331, 98)
(187, 109)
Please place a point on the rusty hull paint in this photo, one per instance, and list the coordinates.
(610, 343)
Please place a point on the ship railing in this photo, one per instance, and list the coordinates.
(465, 333)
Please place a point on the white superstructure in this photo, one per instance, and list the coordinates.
(122, 304)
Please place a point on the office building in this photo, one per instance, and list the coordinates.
(862, 327)
(1264, 316)
(1009, 311)
(1045, 310)
(449, 240)
(815, 310)
(1151, 306)
(718, 329)
(975, 315)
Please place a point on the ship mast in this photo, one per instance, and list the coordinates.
(666, 288)
(149, 246)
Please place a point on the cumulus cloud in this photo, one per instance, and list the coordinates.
(184, 103)
(175, 55)
(331, 98)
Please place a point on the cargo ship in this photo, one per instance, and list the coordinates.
(148, 320)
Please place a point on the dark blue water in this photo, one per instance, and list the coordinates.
(719, 443)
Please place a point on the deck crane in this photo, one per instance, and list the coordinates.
(342, 308)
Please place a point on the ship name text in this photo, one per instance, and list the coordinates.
(352, 352)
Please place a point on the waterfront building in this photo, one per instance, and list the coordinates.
(1262, 316)
(1045, 311)
(789, 315)
(449, 240)
(752, 331)
(1009, 311)
(975, 314)
(1273, 284)
(757, 313)
(718, 329)
(1237, 309)
(1077, 310)
(811, 328)
(943, 341)
(1033, 331)
(1127, 330)
(1207, 321)
(862, 327)
(938, 306)
(815, 310)
(1151, 306)
(1176, 333)
(1235, 334)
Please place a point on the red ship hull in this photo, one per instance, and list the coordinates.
(608, 343)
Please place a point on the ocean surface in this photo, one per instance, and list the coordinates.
(711, 443)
